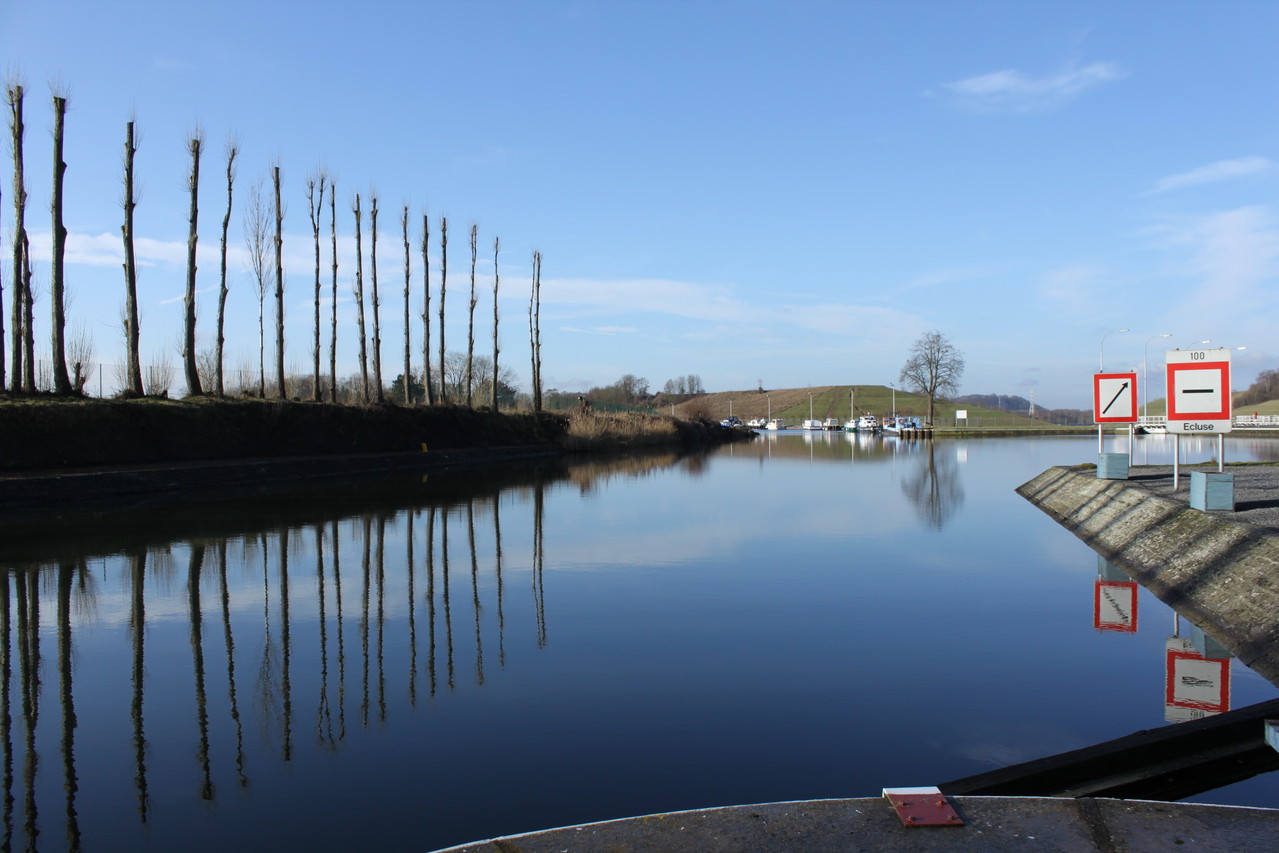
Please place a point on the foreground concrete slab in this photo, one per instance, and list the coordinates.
(992, 825)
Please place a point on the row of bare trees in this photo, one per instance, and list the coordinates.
(263, 235)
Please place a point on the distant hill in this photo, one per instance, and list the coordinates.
(1002, 402)
(835, 401)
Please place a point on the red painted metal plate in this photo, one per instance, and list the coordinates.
(922, 807)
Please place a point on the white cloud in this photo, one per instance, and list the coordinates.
(601, 330)
(1013, 91)
(1222, 170)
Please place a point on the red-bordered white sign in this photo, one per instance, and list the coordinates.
(1199, 399)
(1114, 606)
(1193, 681)
(1114, 398)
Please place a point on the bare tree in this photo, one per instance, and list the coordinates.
(444, 280)
(377, 301)
(470, 325)
(133, 368)
(427, 385)
(14, 97)
(315, 208)
(496, 281)
(80, 356)
(404, 221)
(231, 150)
(279, 286)
(256, 235)
(57, 268)
(195, 142)
(934, 368)
(333, 336)
(535, 330)
(359, 302)
(28, 318)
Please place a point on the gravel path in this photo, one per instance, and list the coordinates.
(1256, 488)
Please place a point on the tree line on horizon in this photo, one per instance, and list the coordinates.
(450, 380)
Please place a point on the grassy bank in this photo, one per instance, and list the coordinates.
(45, 434)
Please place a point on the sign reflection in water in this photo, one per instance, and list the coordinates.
(407, 665)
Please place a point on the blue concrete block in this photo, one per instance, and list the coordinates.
(1112, 466)
(1212, 492)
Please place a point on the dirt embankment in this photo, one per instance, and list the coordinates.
(53, 436)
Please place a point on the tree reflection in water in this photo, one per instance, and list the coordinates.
(260, 572)
(934, 488)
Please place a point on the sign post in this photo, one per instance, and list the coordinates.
(1114, 401)
(1199, 399)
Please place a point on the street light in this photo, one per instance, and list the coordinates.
(1101, 361)
(1196, 344)
(1144, 372)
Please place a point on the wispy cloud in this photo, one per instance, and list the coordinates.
(1010, 90)
(1222, 170)
(601, 330)
(717, 304)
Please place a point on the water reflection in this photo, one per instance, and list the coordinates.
(1196, 666)
(933, 487)
(252, 584)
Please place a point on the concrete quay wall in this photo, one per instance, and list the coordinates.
(1221, 574)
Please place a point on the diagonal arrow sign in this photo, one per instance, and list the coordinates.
(1118, 394)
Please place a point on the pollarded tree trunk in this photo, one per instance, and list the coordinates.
(377, 303)
(428, 387)
(496, 281)
(133, 361)
(279, 286)
(333, 335)
(218, 382)
(14, 96)
(470, 326)
(359, 303)
(195, 143)
(315, 208)
(57, 267)
(404, 221)
(535, 329)
(444, 280)
(28, 319)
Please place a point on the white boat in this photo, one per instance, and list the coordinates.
(775, 423)
(866, 423)
(811, 424)
(757, 423)
(830, 424)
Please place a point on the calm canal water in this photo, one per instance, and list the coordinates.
(410, 664)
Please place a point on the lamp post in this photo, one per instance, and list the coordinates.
(1144, 371)
(1101, 359)
(1196, 344)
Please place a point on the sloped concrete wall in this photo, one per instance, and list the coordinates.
(1222, 575)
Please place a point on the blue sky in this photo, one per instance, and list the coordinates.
(786, 193)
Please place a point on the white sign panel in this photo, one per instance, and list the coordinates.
(1199, 401)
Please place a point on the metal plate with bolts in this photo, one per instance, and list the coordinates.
(922, 807)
